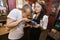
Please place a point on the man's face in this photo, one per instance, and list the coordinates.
(27, 13)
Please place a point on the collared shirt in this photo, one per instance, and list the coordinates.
(16, 14)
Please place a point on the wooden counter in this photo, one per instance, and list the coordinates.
(55, 35)
(3, 31)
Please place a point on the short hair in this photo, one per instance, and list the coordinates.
(27, 6)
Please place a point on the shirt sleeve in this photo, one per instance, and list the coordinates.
(12, 14)
(45, 22)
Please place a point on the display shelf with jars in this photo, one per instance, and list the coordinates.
(3, 10)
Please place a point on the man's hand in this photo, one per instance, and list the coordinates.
(8, 29)
(26, 19)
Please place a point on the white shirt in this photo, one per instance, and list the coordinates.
(16, 14)
(45, 21)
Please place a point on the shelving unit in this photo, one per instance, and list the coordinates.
(57, 22)
(3, 10)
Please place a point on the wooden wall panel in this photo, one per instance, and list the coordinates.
(51, 18)
(11, 4)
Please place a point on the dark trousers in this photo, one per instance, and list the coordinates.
(35, 33)
(32, 33)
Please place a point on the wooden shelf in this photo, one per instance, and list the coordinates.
(3, 18)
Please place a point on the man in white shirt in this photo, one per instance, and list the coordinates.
(15, 21)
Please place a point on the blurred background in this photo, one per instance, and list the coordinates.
(53, 11)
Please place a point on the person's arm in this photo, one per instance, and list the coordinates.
(43, 24)
(36, 26)
(13, 23)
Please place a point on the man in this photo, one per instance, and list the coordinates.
(15, 21)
